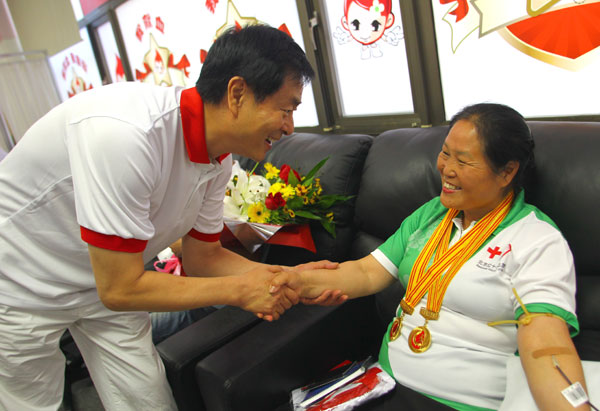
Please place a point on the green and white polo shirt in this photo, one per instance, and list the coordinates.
(466, 362)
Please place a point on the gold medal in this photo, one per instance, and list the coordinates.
(419, 339)
(397, 323)
(434, 278)
(396, 327)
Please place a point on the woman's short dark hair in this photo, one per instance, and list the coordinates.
(264, 56)
(505, 137)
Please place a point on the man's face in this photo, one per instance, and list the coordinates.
(261, 123)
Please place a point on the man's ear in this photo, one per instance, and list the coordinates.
(237, 91)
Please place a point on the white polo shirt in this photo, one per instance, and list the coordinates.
(123, 167)
(466, 362)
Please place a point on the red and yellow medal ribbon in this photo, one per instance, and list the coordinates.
(446, 264)
(449, 260)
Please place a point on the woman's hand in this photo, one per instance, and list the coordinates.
(327, 298)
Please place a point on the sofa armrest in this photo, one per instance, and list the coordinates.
(181, 351)
(257, 370)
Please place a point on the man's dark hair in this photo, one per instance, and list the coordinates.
(505, 136)
(262, 55)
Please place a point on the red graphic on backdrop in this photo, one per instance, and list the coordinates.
(159, 65)
(78, 85)
(73, 63)
(70, 59)
(461, 10)
(570, 32)
(211, 4)
(160, 26)
(566, 35)
(235, 19)
(119, 71)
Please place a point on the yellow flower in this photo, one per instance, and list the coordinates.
(258, 213)
(275, 188)
(288, 192)
(291, 213)
(301, 190)
(318, 186)
(285, 190)
(329, 216)
(272, 171)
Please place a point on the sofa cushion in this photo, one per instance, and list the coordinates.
(399, 176)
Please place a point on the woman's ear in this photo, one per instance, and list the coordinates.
(237, 88)
(509, 172)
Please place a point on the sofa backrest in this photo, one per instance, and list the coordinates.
(340, 175)
(566, 186)
(400, 175)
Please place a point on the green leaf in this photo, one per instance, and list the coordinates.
(328, 200)
(292, 179)
(329, 226)
(307, 214)
(294, 203)
(307, 180)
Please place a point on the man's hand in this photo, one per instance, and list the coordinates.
(266, 298)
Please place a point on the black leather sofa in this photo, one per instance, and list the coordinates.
(257, 368)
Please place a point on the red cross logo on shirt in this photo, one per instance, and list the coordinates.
(494, 252)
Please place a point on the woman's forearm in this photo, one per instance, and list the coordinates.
(543, 344)
(354, 278)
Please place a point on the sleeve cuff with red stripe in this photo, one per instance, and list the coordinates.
(112, 242)
(209, 238)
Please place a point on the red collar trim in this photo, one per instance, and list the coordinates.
(194, 133)
(192, 120)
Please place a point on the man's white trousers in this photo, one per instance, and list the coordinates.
(116, 346)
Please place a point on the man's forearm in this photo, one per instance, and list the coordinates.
(220, 262)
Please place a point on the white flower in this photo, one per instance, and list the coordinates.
(233, 211)
(244, 191)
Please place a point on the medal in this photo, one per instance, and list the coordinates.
(396, 327)
(397, 323)
(434, 279)
(419, 339)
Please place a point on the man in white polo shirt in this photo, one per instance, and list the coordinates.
(105, 181)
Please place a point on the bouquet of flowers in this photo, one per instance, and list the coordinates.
(280, 197)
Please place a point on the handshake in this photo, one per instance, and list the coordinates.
(270, 290)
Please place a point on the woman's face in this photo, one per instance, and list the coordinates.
(468, 182)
